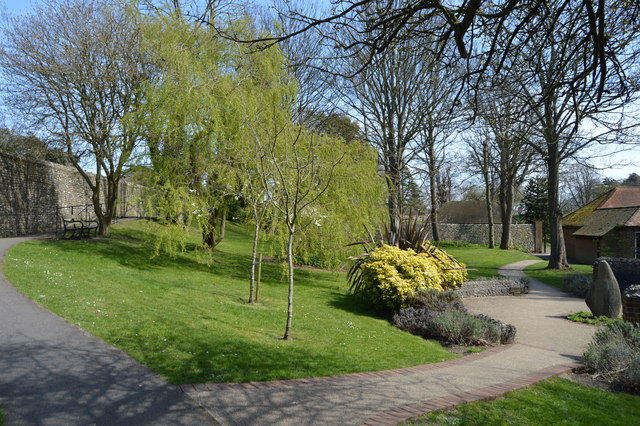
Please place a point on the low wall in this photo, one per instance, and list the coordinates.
(31, 191)
(626, 271)
(522, 235)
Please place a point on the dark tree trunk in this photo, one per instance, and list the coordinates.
(487, 195)
(394, 203)
(558, 255)
(217, 221)
(433, 193)
(506, 212)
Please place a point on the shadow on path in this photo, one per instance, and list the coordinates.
(53, 373)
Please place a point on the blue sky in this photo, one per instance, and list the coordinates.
(17, 6)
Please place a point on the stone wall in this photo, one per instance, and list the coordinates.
(33, 191)
(493, 287)
(626, 271)
(522, 236)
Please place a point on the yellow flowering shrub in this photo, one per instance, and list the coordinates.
(391, 276)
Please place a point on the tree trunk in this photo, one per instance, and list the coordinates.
(487, 195)
(394, 205)
(254, 257)
(287, 330)
(506, 212)
(111, 199)
(209, 238)
(558, 255)
(433, 194)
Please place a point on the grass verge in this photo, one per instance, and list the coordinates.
(484, 261)
(189, 321)
(553, 401)
(554, 277)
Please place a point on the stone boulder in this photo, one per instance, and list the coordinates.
(603, 297)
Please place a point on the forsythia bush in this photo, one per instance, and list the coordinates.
(391, 276)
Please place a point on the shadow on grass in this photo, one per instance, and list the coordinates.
(355, 305)
(237, 360)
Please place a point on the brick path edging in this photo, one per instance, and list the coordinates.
(410, 411)
(215, 386)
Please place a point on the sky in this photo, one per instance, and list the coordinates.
(617, 166)
(17, 6)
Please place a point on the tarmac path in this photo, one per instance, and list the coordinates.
(53, 373)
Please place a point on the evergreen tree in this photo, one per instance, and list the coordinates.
(535, 202)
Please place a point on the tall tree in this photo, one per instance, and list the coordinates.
(482, 161)
(388, 99)
(551, 61)
(535, 203)
(441, 120)
(366, 28)
(500, 112)
(190, 123)
(76, 70)
(580, 183)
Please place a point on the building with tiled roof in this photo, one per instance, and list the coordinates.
(607, 226)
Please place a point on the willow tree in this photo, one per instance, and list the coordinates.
(263, 94)
(305, 172)
(187, 120)
(75, 69)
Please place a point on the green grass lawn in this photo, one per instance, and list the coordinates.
(190, 322)
(483, 261)
(554, 277)
(551, 402)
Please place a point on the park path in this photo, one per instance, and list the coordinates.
(547, 345)
(53, 373)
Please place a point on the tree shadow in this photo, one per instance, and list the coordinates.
(85, 381)
(356, 305)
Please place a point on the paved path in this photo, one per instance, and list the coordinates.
(53, 373)
(547, 345)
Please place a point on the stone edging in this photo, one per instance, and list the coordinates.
(406, 412)
(214, 386)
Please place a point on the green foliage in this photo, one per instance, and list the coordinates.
(535, 202)
(614, 353)
(189, 321)
(435, 300)
(464, 329)
(330, 224)
(555, 277)
(576, 284)
(389, 276)
(551, 402)
(588, 318)
(186, 121)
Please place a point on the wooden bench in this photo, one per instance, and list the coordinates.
(79, 228)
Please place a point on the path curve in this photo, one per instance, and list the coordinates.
(547, 345)
(53, 373)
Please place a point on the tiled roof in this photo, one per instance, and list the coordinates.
(580, 216)
(622, 197)
(604, 220)
(618, 207)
